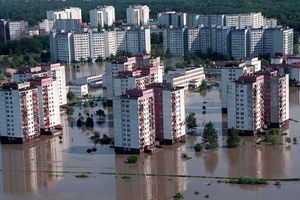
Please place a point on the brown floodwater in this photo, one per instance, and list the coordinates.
(46, 169)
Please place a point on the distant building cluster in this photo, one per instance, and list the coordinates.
(31, 103)
(13, 30)
(234, 35)
(230, 42)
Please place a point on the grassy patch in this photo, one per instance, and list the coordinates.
(248, 180)
(126, 177)
(81, 176)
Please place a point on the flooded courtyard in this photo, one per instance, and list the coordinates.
(47, 168)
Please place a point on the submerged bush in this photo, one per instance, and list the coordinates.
(131, 159)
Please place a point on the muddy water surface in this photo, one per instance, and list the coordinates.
(46, 169)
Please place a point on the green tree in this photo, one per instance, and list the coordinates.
(71, 96)
(168, 53)
(198, 147)
(191, 121)
(233, 139)
(89, 122)
(210, 136)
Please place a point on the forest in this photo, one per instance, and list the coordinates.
(286, 11)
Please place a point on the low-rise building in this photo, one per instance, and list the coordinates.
(185, 77)
(79, 90)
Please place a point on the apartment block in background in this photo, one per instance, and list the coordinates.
(18, 30)
(102, 15)
(137, 15)
(172, 18)
(134, 121)
(67, 13)
(20, 113)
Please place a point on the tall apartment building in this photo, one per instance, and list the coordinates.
(169, 112)
(48, 102)
(187, 77)
(276, 98)
(69, 25)
(134, 121)
(270, 23)
(172, 18)
(45, 26)
(277, 40)
(174, 40)
(20, 113)
(256, 42)
(239, 43)
(246, 104)
(193, 40)
(67, 13)
(73, 46)
(230, 73)
(3, 30)
(18, 30)
(241, 21)
(55, 71)
(102, 15)
(138, 40)
(138, 78)
(135, 72)
(137, 15)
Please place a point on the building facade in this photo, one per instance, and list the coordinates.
(102, 15)
(20, 113)
(137, 15)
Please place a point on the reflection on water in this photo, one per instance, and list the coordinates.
(24, 166)
(168, 161)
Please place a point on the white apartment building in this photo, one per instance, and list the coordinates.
(256, 45)
(69, 25)
(79, 90)
(172, 18)
(55, 71)
(113, 68)
(169, 112)
(245, 107)
(270, 23)
(276, 99)
(193, 40)
(45, 26)
(122, 40)
(48, 102)
(239, 43)
(186, 77)
(19, 107)
(67, 13)
(81, 45)
(138, 78)
(138, 40)
(72, 46)
(102, 15)
(137, 15)
(18, 29)
(230, 73)
(174, 41)
(134, 121)
(241, 21)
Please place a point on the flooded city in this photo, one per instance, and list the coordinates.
(50, 167)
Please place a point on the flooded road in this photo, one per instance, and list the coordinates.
(46, 169)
